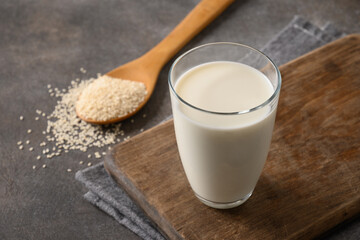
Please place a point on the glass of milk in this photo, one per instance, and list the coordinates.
(224, 98)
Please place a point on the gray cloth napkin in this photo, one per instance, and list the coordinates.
(296, 39)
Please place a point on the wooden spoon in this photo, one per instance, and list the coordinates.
(147, 67)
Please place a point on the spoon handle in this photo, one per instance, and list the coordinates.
(203, 13)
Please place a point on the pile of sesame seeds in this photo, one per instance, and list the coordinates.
(65, 132)
(107, 98)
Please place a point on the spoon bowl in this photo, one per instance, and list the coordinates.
(146, 68)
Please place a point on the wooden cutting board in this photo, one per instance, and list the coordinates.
(311, 180)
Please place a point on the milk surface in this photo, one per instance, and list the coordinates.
(223, 155)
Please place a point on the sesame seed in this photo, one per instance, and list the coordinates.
(21, 118)
(117, 104)
(89, 164)
(66, 130)
(103, 153)
(81, 162)
(68, 170)
(44, 166)
(89, 156)
(141, 130)
(33, 167)
(132, 120)
(144, 115)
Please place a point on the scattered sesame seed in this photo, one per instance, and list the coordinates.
(103, 153)
(66, 130)
(49, 86)
(33, 167)
(144, 115)
(89, 164)
(81, 162)
(68, 170)
(141, 130)
(89, 156)
(44, 166)
(132, 120)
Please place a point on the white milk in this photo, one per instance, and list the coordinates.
(223, 155)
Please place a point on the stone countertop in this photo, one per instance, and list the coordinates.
(47, 42)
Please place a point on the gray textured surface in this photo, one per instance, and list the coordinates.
(109, 197)
(44, 42)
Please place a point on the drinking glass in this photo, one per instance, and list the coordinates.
(223, 153)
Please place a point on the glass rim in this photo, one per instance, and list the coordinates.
(265, 103)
